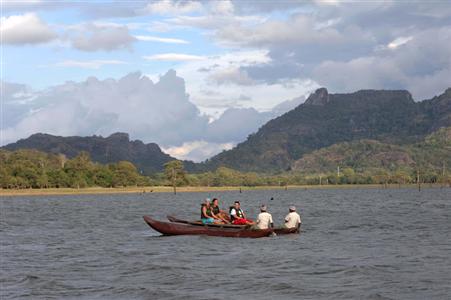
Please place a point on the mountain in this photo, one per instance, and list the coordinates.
(390, 117)
(148, 158)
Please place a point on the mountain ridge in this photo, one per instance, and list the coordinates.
(389, 116)
(148, 158)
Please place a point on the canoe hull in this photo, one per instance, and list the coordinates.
(280, 231)
(171, 228)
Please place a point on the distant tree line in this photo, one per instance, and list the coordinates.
(34, 169)
(228, 177)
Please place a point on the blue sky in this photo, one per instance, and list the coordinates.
(198, 76)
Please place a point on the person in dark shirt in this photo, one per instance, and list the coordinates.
(217, 213)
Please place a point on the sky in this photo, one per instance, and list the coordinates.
(197, 77)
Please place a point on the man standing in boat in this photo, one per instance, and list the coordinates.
(264, 219)
(238, 216)
(293, 219)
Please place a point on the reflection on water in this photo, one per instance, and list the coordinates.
(377, 244)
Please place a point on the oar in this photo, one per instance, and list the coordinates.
(176, 220)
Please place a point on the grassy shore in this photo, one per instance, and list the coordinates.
(187, 189)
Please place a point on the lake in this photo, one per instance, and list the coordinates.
(355, 244)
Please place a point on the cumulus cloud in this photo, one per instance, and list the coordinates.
(420, 64)
(235, 124)
(17, 101)
(26, 29)
(213, 87)
(197, 151)
(95, 37)
(151, 111)
(231, 76)
(168, 7)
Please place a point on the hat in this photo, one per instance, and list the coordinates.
(292, 207)
(263, 207)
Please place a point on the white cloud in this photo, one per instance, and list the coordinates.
(148, 38)
(168, 7)
(300, 29)
(88, 64)
(224, 7)
(173, 57)
(421, 65)
(197, 151)
(232, 75)
(263, 96)
(159, 112)
(97, 36)
(328, 2)
(26, 29)
(399, 42)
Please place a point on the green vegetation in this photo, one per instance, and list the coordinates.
(35, 169)
(369, 161)
(356, 162)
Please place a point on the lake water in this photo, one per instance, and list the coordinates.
(355, 244)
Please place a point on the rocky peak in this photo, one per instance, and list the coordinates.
(121, 136)
(319, 97)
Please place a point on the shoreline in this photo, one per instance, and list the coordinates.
(191, 189)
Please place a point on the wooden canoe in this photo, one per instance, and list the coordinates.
(278, 230)
(173, 228)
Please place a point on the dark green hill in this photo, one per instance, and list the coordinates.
(325, 119)
(148, 158)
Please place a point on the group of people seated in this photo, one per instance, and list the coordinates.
(212, 214)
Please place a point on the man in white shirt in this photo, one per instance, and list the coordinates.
(264, 219)
(293, 219)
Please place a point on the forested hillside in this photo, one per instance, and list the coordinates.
(390, 117)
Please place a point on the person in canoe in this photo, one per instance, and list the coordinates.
(206, 214)
(217, 213)
(293, 219)
(264, 219)
(238, 216)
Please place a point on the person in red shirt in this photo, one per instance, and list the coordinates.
(238, 216)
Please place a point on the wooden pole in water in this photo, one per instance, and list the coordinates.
(174, 180)
(418, 180)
